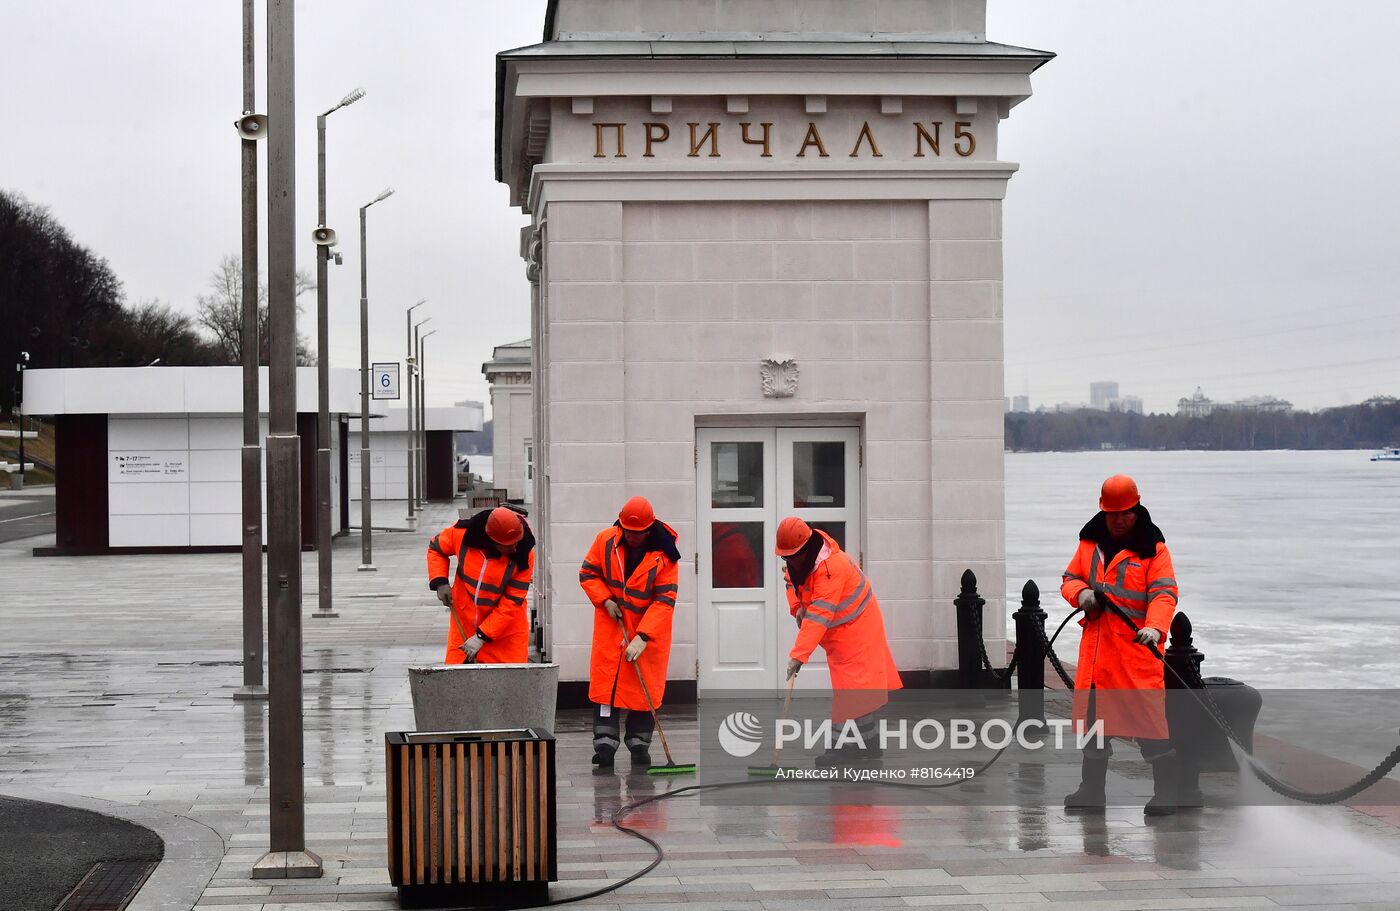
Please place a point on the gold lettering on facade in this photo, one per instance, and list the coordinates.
(744, 135)
(708, 136)
(922, 134)
(655, 132)
(598, 138)
(927, 138)
(813, 138)
(962, 134)
(869, 137)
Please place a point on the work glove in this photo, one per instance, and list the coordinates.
(444, 593)
(635, 648)
(613, 609)
(1148, 636)
(1090, 603)
(471, 647)
(793, 667)
(800, 616)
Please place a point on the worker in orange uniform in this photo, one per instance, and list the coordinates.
(486, 599)
(1122, 568)
(630, 575)
(835, 607)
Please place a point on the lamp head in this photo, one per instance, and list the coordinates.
(388, 191)
(353, 97)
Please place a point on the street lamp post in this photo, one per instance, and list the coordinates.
(19, 404)
(409, 366)
(416, 427)
(287, 856)
(250, 456)
(325, 239)
(423, 421)
(366, 545)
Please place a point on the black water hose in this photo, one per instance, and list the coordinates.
(1272, 782)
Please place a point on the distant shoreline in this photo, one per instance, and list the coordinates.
(1374, 425)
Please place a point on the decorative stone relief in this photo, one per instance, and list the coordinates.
(779, 376)
(532, 257)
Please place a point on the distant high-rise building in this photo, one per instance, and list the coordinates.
(1130, 403)
(1020, 404)
(1101, 395)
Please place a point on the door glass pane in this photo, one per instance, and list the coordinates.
(837, 530)
(737, 472)
(735, 550)
(818, 474)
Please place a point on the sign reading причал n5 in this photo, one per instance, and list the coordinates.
(710, 139)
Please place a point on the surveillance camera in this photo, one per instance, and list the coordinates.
(251, 126)
(324, 237)
(339, 260)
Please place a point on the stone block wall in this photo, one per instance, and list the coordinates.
(659, 312)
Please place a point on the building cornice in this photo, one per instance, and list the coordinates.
(592, 183)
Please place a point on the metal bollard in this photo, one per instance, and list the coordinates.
(1030, 663)
(969, 605)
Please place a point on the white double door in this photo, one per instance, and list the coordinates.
(748, 480)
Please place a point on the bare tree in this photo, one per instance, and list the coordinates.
(220, 313)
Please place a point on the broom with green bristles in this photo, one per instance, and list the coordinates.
(671, 767)
(773, 768)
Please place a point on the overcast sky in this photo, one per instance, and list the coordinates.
(1207, 195)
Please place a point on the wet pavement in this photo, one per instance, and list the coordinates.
(116, 683)
(26, 513)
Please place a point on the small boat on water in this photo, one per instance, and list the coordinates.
(1387, 455)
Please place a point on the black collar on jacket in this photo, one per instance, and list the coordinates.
(1142, 540)
(659, 539)
(476, 537)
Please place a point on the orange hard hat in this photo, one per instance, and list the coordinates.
(792, 534)
(636, 514)
(504, 527)
(1119, 493)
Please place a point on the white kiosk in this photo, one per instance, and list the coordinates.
(148, 458)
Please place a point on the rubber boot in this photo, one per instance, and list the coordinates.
(1165, 778)
(603, 757)
(1090, 797)
(1188, 787)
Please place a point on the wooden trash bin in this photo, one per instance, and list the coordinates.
(471, 817)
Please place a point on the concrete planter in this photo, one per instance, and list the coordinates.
(484, 697)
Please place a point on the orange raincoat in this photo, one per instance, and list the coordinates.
(1139, 579)
(843, 617)
(488, 591)
(648, 600)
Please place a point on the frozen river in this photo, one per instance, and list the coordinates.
(1289, 562)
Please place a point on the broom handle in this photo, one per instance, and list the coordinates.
(647, 693)
(787, 704)
(452, 612)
